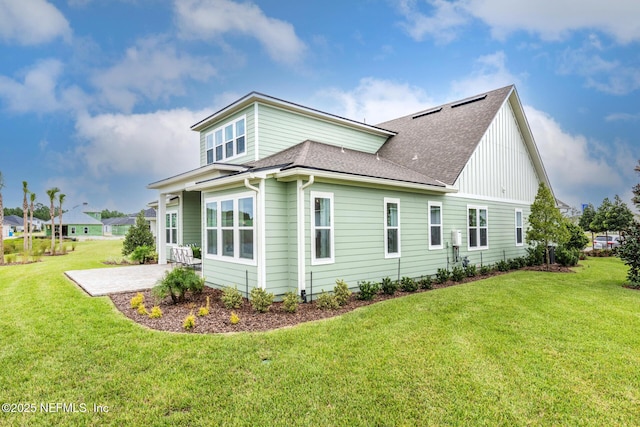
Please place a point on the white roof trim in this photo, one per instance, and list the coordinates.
(192, 174)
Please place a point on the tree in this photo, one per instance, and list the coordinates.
(32, 197)
(588, 215)
(138, 235)
(1, 222)
(52, 196)
(636, 189)
(60, 200)
(620, 217)
(600, 222)
(106, 213)
(546, 224)
(25, 234)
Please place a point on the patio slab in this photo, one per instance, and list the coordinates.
(104, 281)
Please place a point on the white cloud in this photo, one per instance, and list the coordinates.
(210, 20)
(613, 117)
(152, 69)
(549, 19)
(31, 22)
(376, 100)
(157, 144)
(490, 72)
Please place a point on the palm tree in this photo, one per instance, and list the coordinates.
(25, 213)
(1, 222)
(32, 197)
(61, 199)
(52, 195)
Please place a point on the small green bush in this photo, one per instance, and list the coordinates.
(567, 257)
(327, 301)
(231, 297)
(535, 255)
(342, 292)
(203, 311)
(457, 274)
(407, 284)
(470, 270)
(389, 286)
(368, 290)
(137, 300)
(290, 302)
(502, 265)
(177, 282)
(11, 258)
(142, 310)
(442, 275)
(486, 269)
(143, 254)
(155, 313)
(189, 322)
(261, 300)
(425, 282)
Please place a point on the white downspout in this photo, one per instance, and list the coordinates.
(301, 233)
(261, 228)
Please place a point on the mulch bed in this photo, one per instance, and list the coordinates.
(217, 321)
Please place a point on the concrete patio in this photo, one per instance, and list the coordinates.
(103, 281)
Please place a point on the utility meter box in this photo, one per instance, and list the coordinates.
(456, 238)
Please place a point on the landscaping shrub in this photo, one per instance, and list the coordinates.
(567, 257)
(137, 300)
(486, 269)
(407, 284)
(514, 264)
(203, 311)
(630, 253)
(389, 286)
(535, 255)
(177, 282)
(290, 302)
(234, 319)
(341, 292)
(502, 265)
(231, 297)
(442, 275)
(155, 313)
(577, 239)
(11, 258)
(261, 300)
(142, 310)
(189, 322)
(327, 301)
(368, 290)
(457, 274)
(139, 234)
(143, 254)
(470, 270)
(425, 282)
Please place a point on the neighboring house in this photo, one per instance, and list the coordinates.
(81, 220)
(15, 223)
(288, 197)
(120, 226)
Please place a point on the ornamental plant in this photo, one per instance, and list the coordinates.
(177, 282)
(155, 313)
(231, 297)
(137, 300)
(189, 322)
(368, 290)
(342, 292)
(327, 301)
(389, 286)
(290, 302)
(234, 319)
(261, 300)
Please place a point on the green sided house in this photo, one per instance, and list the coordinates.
(288, 197)
(80, 221)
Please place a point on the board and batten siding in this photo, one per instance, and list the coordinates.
(280, 129)
(249, 136)
(360, 241)
(501, 166)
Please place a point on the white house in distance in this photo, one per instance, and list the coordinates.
(288, 197)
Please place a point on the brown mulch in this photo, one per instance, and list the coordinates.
(217, 321)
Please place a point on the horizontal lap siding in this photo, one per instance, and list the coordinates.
(281, 129)
(249, 137)
(191, 218)
(280, 238)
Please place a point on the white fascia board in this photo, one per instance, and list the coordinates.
(292, 174)
(230, 180)
(183, 179)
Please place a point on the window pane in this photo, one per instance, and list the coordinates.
(209, 141)
(472, 218)
(483, 217)
(209, 156)
(436, 236)
(212, 214)
(218, 153)
(227, 242)
(227, 213)
(212, 242)
(323, 243)
(392, 214)
(240, 145)
(245, 212)
(218, 137)
(322, 212)
(174, 235)
(473, 237)
(518, 219)
(174, 220)
(392, 241)
(228, 133)
(519, 235)
(435, 215)
(239, 128)
(168, 236)
(246, 244)
(483, 237)
(228, 149)
(168, 222)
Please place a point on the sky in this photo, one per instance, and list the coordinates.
(97, 96)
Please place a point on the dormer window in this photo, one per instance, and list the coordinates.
(226, 142)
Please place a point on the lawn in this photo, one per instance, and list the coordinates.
(524, 348)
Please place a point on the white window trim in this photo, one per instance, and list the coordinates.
(388, 200)
(521, 227)
(171, 212)
(441, 245)
(235, 137)
(322, 261)
(236, 229)
(477, 208)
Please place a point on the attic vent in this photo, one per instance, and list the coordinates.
(469, 100)
(426, 113)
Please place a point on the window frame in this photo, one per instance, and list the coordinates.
(331, 227)
(521, 227)
(169, 228)
(212, 143)
(477, 228)
(387, 254)
(441, 245)
(236, 229)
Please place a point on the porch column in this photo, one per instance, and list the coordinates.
(161, 245)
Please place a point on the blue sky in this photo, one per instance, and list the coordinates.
(97, 96)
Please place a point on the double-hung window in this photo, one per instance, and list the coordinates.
(478, 228)
(226, 142)
(519, 240)
(435, 225)
(229, 225)
(392, 228)
(322, 226)
(171, 226)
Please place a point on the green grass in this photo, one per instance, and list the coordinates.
(519, 349)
